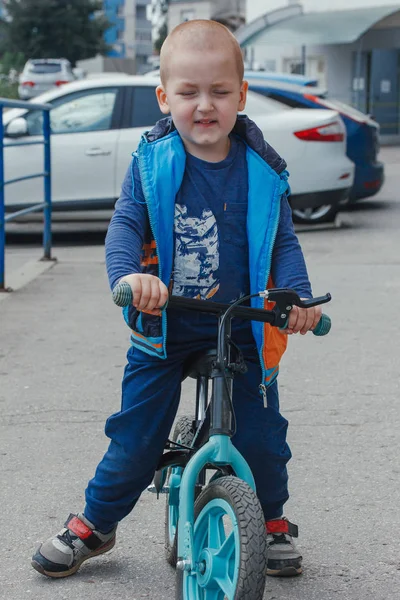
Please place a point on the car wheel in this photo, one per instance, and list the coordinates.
(314, 216)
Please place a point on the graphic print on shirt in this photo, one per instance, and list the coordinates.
(196, 254)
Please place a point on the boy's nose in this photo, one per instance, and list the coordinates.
(205, 104)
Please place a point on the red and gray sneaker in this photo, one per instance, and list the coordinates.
(284, 560)
(63, 554)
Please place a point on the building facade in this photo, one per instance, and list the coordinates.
(130, 34)
(256, 8)
(354, 52)
(231, 13)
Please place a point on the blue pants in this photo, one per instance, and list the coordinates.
(150, 397)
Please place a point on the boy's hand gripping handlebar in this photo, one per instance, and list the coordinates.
(284, 300)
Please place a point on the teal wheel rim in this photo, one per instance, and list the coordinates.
(216, 554)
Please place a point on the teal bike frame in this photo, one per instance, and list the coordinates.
(218, 451)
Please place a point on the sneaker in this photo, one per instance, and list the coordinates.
(63, 554)
(284, 560)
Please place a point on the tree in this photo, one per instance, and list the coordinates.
(161, 35)
(160, 18)
(71, 29)
(11, 62)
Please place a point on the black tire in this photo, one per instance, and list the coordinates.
(315, 216)
(252, 554)
(182, 433)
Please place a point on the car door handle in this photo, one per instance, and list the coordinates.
(97, 152)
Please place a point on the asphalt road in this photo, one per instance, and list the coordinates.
(62, 347)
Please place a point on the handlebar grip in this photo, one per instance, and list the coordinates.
(324, 326)
(122, 294)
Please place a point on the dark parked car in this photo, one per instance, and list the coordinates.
(362, 130)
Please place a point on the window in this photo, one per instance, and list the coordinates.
(296, 67)
(145, 111)
(90, 110)
(292, 102)
(257, 104)
(315, 68)
(143, 36)
(270, 65)
(44, 68)
(187, 15)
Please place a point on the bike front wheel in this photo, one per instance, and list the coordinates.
(229, 545)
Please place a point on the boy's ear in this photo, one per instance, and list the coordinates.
(243, 95)
(162, 99)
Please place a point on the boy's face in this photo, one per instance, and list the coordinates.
(203, 93)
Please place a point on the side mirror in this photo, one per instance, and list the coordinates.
(17, 127)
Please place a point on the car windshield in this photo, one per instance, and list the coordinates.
(44, 68)
(257, 104)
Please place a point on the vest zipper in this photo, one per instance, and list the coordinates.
(262, 387)
(164, 314)
(263, 391)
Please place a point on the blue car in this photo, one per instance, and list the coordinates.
(362, 130)
(281, 77)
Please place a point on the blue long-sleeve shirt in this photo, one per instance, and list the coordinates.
(126, 232)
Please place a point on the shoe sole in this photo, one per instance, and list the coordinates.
(286, 572)
(59, 574)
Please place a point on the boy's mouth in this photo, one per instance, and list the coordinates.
(205, 122)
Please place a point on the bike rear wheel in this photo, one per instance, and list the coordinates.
(229, 545)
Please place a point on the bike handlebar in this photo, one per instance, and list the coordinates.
(122, 296)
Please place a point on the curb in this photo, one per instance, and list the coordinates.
(27, 273)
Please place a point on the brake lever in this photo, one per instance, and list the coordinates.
(315, 301)
(285, 299)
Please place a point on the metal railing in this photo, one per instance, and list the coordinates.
(46, 174)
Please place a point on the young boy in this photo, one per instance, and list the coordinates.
(203, 211)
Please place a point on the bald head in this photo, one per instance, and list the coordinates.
(203, 36)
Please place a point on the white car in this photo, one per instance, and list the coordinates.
(42, 74)
(97, 123)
